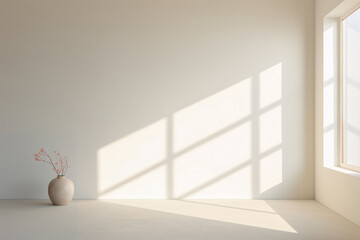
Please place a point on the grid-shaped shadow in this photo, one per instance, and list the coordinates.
(264, 142)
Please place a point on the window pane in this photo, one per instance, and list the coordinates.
(351, 88)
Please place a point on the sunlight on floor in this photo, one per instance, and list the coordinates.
(255, 213)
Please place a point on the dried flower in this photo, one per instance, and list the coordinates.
(43, 156)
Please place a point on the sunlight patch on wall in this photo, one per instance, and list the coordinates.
(211, 115)
(150, 185)
(211, 160)
(270, 129)
(120, 161)
(224, 146)
(217, 211)
(234, 184)
(270, 85)
(271, 170)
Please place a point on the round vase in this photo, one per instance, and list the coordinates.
(61, 190)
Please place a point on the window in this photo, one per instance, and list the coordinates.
(350, 91)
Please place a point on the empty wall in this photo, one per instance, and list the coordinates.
(158, 99)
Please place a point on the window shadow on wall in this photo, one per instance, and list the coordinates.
(228, 145)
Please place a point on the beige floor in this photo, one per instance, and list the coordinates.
(173, 219)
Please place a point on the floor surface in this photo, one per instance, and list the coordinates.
(173, 219)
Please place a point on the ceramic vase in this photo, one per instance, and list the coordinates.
(61, 190)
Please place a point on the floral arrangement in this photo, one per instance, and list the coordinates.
(59, 163)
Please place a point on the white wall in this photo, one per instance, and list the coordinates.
(337, 188)
(159, 99)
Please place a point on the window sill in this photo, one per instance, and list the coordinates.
(345, 171)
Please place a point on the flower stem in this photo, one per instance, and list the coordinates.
(52, 163)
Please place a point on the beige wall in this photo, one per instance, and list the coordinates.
(335, 187)
(159, 99)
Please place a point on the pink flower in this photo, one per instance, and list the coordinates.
(53, 159)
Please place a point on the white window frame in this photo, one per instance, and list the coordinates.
(341, 93)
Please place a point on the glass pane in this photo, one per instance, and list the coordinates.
(351, 88)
